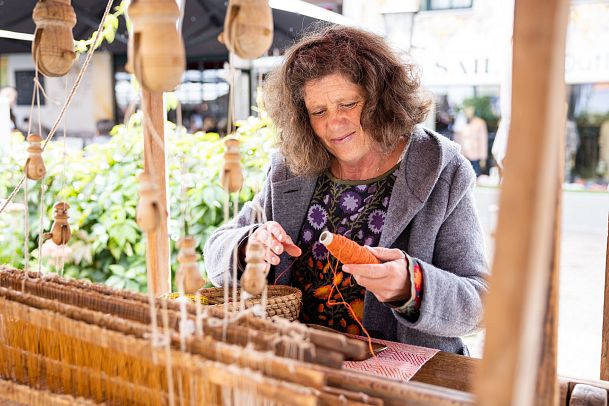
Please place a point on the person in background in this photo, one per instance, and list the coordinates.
(353, 160)
(473, 138)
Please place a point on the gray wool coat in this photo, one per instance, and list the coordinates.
(431, 216)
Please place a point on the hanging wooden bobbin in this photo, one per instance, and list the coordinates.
(231, 176)
(60, 230)
(253, 280)
(248, 28)
(53, 44)
(147, 213)
(188, 276)
(34, 166)
(156, 50)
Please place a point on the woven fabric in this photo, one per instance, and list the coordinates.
(399, 361)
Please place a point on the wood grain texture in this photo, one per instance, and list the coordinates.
(515, 306)
(157, 242)
(605, 335)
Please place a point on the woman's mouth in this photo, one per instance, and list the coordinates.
(343, 139)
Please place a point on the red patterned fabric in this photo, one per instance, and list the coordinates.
(399, 361)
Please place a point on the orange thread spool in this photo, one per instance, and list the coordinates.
(346, 250)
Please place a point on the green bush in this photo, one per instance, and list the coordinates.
(100, 185)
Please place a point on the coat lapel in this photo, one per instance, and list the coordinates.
(290, 201)
(415, 180)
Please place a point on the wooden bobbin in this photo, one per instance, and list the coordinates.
(34, 166)
(231, 176)
(147, 213)
(253, 280)
(60, 230)
(188, 276)
(156, 50)
(53, 45)
(248, 28)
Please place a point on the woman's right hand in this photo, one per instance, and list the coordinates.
(275, 241)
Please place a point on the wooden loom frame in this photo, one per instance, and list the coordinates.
(527, 237)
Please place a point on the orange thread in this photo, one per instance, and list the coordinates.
(338, 253)
(346, 250)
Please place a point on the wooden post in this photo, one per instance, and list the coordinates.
(157, 242)
(546, 392)
(605, 335)
(525, 233)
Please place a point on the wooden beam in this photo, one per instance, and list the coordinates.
(157, 242)
(514, 310)
(547, 392)
(605, 335)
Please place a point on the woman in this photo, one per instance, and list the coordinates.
(353, 161)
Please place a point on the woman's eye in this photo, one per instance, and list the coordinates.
(349, 105)
(318, 113)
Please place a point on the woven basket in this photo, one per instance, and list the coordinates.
(283, 301)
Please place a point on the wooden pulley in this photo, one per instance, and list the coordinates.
(248, 28)
(231, 176)
(188, 276)
(60, 230)
(53, 44)
(253, 280)
(156, 49)
(34, 166)
(147, 213)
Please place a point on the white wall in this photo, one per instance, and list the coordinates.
(91, 102)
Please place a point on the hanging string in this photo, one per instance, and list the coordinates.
(67, 102)
(63, 247)
(41, 199)
(26, 248)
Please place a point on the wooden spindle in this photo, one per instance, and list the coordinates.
(34, 166)
(248, 28)
(156, 50)
(253, 280)
(60, 230)
(188, 278)
(147, 213)
(53, 45)
(232, 176)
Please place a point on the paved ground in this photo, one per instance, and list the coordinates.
(584, 239)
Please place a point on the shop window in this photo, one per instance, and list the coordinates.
(446, 4)
(589, 109)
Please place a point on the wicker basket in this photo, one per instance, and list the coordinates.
(283, 301)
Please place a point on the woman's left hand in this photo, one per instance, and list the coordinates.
(389, 280)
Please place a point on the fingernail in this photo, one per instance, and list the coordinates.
(275, 261)
(277, 248)
(345, 268)
(280, 237)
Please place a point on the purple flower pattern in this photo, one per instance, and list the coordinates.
(355, 210)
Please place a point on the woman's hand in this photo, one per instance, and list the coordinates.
(389, 281)
(275, 241)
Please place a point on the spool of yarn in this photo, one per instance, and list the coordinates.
(60, 230)
(248, 28)
(156, 50)
(253, 280)
(188, 276)
(231, 176)
(147, 213)
(346, 250)
(34, 165)
(53, 44)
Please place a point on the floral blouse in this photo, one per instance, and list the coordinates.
(357, 210)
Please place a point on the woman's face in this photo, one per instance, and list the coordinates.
(334, 105)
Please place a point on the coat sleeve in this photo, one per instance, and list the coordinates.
(220, 249)
(454, 285)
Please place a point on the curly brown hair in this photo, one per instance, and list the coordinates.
(394, 103)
